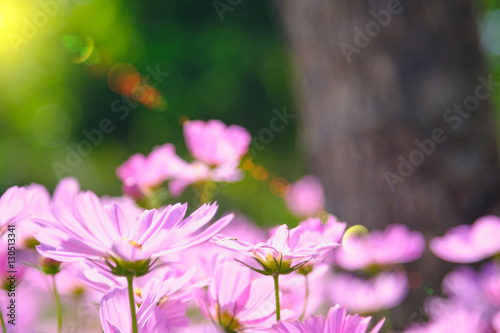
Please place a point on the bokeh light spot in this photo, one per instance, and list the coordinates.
(123, 78)
(279, 187)
(248, 165)
(351, 234)
(260, 173)
(73, 44)
(144, 93)
(159, 103)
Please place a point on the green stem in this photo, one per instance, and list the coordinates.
(306, 298)
(58, 304)
(132, 303)
(4, 329)
(277, 294)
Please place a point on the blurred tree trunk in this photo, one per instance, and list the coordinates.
(373, 77)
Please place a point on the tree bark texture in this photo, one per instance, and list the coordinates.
(366, 94)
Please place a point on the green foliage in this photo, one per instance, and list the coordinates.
(55, 89)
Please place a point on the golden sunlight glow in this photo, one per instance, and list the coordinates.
(11, 27)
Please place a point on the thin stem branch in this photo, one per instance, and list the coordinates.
(277, 294)
(4, 329)
(58, 304)
(306, 298)
(132, 303)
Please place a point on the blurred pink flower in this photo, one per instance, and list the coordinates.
(469, 243)
(306, 197)
(472, 302)
(337, 321)
(198, 171)
(293, 288)
(455, 319)
(141, 174)
(167, 283)
(236, 301)
(214, 143)
(396, 244)
(313, 231)
(39, 205)
(217, 149)
(384, 291)
(116, 318)
(11, 207)
(99, 232)
(282, 253)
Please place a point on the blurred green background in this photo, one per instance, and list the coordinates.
(63, 62)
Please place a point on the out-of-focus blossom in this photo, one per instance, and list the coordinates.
(294, 286)
(337, 321)
(217, 149)
(384, 291)
(469, 243)
(200, 172)
(11, 206)
(472, 303)
(236, 301)
(202, 328)
(141, 174)
(39, 205)
(116, 318)
(456, 320)
(281, 254)
(206, 256)
(127, 244)
(306, 197)
(313, 231)
(214, 143)
(396, 244)
(167, 283)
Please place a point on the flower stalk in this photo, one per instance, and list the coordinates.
(58, 304)
(132, 302)
(306, 298)
(277, 295)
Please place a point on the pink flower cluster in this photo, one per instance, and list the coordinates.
(472, 302)
(216, 148)
(130, 264)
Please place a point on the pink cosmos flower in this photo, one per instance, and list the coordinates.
(236, 301)
(206, 256)
(337, 321)
(103, 233)
(282, 253)
(214, 143)
(167, 283)
(396, 244)
(200, 172)
(217, 149)
(141, 174)
(469, 243)
(115, 314)
(306, 197)
(314, 231)
(471, 305)
(384, 291)
(456, 319)
(11, 206)
(39, 204)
